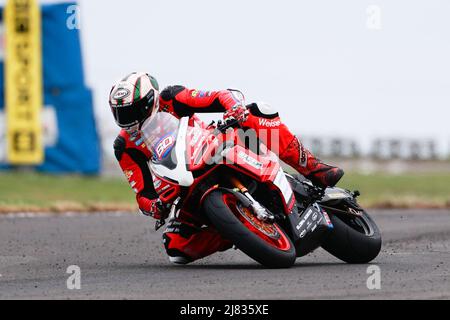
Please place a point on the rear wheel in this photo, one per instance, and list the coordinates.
(354, 239)
(267, 243)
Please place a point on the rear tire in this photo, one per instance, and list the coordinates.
(351, 245)
(227, 222)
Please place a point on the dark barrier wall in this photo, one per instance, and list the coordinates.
(74, 148)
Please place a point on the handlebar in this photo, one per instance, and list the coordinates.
(224, 126)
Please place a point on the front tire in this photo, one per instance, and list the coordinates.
(267, 244)
(354, 240)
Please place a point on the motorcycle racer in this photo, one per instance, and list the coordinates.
(136, 99)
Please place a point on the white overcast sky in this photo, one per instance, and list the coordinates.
(315, 61)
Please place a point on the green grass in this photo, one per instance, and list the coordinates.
(36, 192)
(33, 191)
(401, 190)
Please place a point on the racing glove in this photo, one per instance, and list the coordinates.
(238, 112)
(155, 208)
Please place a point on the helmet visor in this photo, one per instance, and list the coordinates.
(126, 116)
(132, 114)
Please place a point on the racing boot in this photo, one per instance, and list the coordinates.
(302, 160)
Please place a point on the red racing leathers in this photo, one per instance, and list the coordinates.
(185, 239)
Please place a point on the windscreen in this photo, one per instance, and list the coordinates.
(160, 134)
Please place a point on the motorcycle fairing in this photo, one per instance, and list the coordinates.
(194, 146)
(201, 146)
(264, 168)
(167, 190)
(179, 172)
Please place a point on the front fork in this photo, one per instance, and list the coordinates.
(261, 213)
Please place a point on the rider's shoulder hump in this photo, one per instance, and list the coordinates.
(170, 92)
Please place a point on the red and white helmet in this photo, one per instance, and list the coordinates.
(134, 99)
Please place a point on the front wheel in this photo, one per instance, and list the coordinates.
(354, 239)
(266, 243)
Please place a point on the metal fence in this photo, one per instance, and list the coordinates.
(387, 149)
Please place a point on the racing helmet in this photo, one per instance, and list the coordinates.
(134, 99)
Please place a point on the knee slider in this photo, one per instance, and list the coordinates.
(179, 260)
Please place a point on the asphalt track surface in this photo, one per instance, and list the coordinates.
(121, 257)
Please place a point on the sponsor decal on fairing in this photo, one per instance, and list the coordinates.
(250, 160)
(164, 146)
(283, 184)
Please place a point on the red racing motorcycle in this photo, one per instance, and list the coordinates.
(241, 189)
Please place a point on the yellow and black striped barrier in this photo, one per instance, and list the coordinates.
(23, 82)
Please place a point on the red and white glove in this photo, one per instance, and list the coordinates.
(238, 112)
(154, 208)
